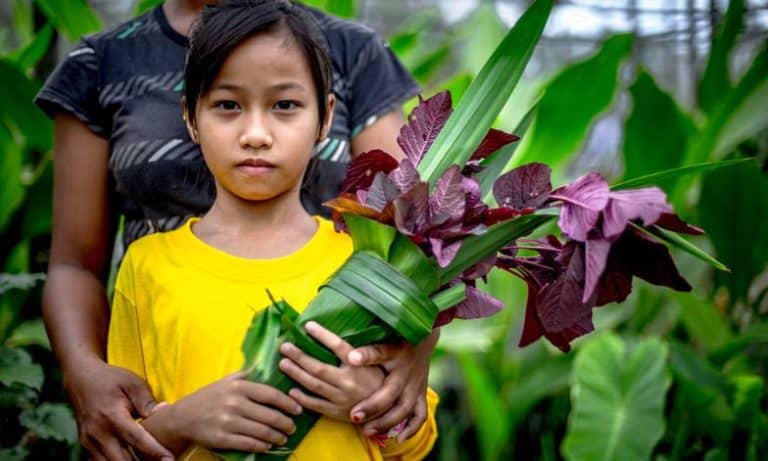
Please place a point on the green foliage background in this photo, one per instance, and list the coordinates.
(667, 376)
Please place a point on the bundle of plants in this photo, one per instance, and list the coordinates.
(425, 231)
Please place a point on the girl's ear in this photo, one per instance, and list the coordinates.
(191, 129)
(326, 126)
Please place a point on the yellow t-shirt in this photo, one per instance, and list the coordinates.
(181, 310)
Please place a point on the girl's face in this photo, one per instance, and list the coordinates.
(259, 122)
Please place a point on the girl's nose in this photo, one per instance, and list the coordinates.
(256, 134)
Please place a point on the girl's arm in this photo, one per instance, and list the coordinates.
(75, 303)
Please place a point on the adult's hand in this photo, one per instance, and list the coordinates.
(106, 399)
(403, 394)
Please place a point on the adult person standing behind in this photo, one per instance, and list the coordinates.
(121, 148)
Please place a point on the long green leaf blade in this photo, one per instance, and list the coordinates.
(679, 242)
(486, 96)
(654, 178)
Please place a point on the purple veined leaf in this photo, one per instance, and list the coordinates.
(381, 192)
(583, 200)
(493, 141)
(527, 186)
(532, 329)
(423, 125)
(671, 221)
(475, 208)
(596, 252)
(478, 304)
(480, 270)
(447, 202)
(562, 314)
(405, 175)
(363, 168)
(650, 260)
(411, 210)
(444, 254)
(646, 204)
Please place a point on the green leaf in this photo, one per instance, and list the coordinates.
(476, 111)
(699, 381)
(748, 392)
(27, 56)
(11, 187)
(52, 421)
(31, 332)
(715, 80)
(677, 241)
(74, 17)
(36, 218)
(618, 400)
(16, 367)
(479, 36)
(431, 63)
(14, 454)
(546, 378)
(23, 22)
(656, 131)
(17, 93)
(734, 211)
(478, 247)
(704, 323)
(341, 8)
(370, 235)
(659, 176)
(749, 119)
(572, 101)
(144, 5)
(488, 410)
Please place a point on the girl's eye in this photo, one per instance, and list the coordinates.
(285, 105)
(226, 105)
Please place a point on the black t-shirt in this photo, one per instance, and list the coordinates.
(125, 85)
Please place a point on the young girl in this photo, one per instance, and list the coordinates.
(257, 93)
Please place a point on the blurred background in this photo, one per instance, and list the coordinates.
(625, 87)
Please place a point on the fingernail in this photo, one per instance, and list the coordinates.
(357, 417)
(370, 431)
(355, 358)
(311, 326)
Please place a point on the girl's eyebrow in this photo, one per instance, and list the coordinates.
(278, 86)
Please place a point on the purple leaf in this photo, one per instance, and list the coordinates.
(478, 304)
(672, 222)
(497, 215)
(474, 201)
(493, 141)
(447, 202)
(527, 186)
(405, 176)
(364, 167)
(411, 210)
(583, 200)
(423, 126)
(481, 269)
(616, 282)
(650, 260)
(646, 204)
(532, 329)
(596, 252)
(381, 192)
(444, 254)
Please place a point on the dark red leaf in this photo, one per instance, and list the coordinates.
(411, 210)
(650, 260)
(424, 124)
(447, 202)
(405, 176)
(596, 254)
(347, 203)
(532, 329)
(493, 141)
(497, 215)
(527, 186)
(363, 168)
(381, 192)
(671, 221)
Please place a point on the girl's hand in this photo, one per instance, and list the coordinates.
(233, 414)
(335, 390)
(403, 393)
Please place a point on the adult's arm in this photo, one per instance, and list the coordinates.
(75, 306)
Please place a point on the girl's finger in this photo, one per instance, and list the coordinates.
(259, 431)
(313, 403)
(307, 380)
(415, 421)
(329, 339)
(269, 396)
(267, 417)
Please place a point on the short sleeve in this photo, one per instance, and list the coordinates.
(379, 83)
(73, 87)
(124, 347)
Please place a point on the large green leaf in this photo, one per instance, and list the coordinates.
(74, 17)
(31, 332)
(673, 173)
(51, 421)
(699, 382)
(11, 187)
(144, 5)
(488, 410)
(705, 324)
(477, 110)
(27, 56)
(715, 80)
(549, 376)
(16, 93)
(480, 35)
(656, 131)
(340, 8)
(734, 210)
(572, 101)
(16, 367)
(618, 400)
(749, 119)
(36, 218)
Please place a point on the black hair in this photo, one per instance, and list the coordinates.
(222, 27)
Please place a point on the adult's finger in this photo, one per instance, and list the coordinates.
(315, 404)
(259, 431)
(382, 400)
(269, 417)
(113, 451)
(307, 380)
(320, 370)
(329, 339)
(139, 395)
(269, 396)
(415, 421)
(244, 443)
(134, 434)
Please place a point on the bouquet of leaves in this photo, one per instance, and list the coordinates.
(425, 229)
